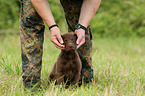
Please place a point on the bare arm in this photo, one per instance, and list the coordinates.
(88, 10)
(43, 9)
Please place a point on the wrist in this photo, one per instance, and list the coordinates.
(84, 24)
(81, 26)
(54, 30)
(52, 26)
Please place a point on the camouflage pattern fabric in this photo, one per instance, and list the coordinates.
(32, 36)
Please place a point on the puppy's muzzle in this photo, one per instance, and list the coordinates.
(70, 46)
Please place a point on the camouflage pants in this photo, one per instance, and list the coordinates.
(32, 36)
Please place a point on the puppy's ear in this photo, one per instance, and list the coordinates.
(76, 36)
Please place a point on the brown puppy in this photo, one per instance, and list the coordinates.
(67, 68)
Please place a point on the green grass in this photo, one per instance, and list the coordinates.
(119, 68)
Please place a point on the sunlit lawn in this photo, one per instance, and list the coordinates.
(119, 68)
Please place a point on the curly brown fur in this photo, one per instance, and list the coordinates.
(67, 68)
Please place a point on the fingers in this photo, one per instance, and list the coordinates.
(56, 38)
(81, 37)
(60, 39)
(81, 43)
(57, 44)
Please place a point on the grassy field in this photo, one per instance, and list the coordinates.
(119, 68)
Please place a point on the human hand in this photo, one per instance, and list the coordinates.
(56, 37)
(81, 37)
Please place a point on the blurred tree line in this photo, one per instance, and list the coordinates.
(114, 17)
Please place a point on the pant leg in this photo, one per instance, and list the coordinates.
(31, 35)
(85, 52)
(72, 12)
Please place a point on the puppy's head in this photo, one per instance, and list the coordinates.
(70, 41)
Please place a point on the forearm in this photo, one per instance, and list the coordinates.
(88, 10)
(43, 9)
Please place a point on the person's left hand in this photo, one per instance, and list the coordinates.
(81, 37)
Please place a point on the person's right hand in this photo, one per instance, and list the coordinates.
(56, 37)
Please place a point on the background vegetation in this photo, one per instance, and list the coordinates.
(114, 17)
(118, 51)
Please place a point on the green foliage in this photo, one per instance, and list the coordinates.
(9, 13)
(114, 17)
(120, 18)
